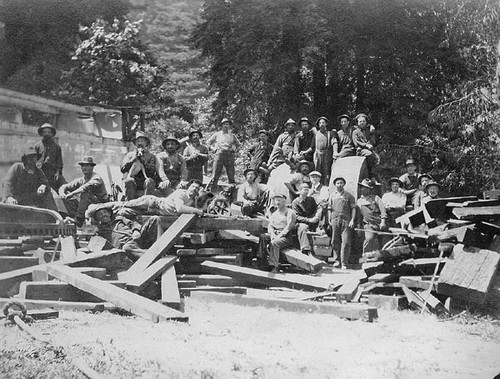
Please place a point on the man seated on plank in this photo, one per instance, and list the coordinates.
(252, 196)
(308, 214)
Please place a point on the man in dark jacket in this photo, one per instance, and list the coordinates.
(50, 156)
(308, 215)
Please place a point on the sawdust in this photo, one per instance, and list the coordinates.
(230, 341)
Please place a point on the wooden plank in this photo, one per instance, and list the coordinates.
(39, 314)
(453, 233)
(129, 301)
(212, 280)
(68, 249)
(417, 282)
(347, 291)
(202, 238)
(391, 303)
(305, 262)
(162, 244)
(63, 305)
(96, 244)
(296, 281)
(478, 213)
(416, 301)
(137, 281)
(347, 311)
(170, 295)
(186, 283)
(185, 252)
(437, 208)
(238, 235)
(16, 263)
(186, 292)
(193, 265)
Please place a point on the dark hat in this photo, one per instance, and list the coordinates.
(94, 208)
(339, 178)
(305, 119)
(302, 162)
(263, 131)
(343, 116)
(424, 176)
(143, 135)
(194, 181)
(290, 121)
(226, 120)
(29, 151)
(47, 126)
(409, 162)
(249, 170)
(194, 132)
(87, 160)
(367, 183)
(432, 183)
(395, 180)
(171, 138)
(279, 195)
(317, 173)
(322, 118)
(361, 115)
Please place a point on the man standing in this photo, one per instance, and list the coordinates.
(326, 149)
(196, 156)
(50, 156)
(374, 215)
(304, 141)
(124, 233)
(346, 146)
(171, 167)
(253, 196)
(308, 214)
(139, 166)
(259, 155)
(226, 145)
(26, 184)
(283, 147)
(342, 207)
(81, 192)
(409, 181)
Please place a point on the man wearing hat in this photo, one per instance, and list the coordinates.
(139, 166)
(124, 233)
(303, 169)
(81, 192)
(308, 215)
(196, 156)
(279, 234)
(50, 156)
(284, 145)
(342, 206)
(432, 190)
(409, 180)
(373, 212)
(259, 155)
(318, 191)
(172, 167)
(325, 148)
(252, 196)
(363, 138)
(304, 141)
(394, 202)
(423, 180)
(26, 184)
(346, 146)
(226, 144)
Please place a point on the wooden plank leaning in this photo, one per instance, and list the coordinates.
(124, 299)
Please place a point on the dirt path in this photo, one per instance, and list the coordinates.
(229, 341)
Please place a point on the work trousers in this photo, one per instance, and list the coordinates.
(273, 248)
(151, 230)
(223, 159)
(259, 205)
(78, 204)
(341, 240)
(132, 187)
(371, 242)
(304, 238)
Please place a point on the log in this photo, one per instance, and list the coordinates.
(129, 301)
(347, 311)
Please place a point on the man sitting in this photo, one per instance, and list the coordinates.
(50, 156)
(252, 196)
(394, 202)
(303, 169)
(432, 190)
(308, 214)
(172, 167)
(81, 192)
(124, 233)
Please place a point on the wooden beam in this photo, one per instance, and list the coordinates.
(478, 213)
(63, 305)
(416, 301)
(136, 282)
(391, 303)
(347, 311)
(417, 282)
(305, 262)
(251, 225)
(170, 295)
(238, 235)
(39, 314)
(54, 290)
(213, 280)
(16, 263)
(129, 301)
(162, 244)
(347, 291)
(186, 292)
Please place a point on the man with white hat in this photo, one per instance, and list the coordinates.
(50, 156)
(172, 167)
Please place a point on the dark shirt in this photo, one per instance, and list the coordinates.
(50, 156)
(147, 159)
(259, 153)
(94, 185)
(346, 145)
(305, 209)
(305, 142)
(22, 185)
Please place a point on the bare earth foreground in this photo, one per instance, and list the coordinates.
(231, 341)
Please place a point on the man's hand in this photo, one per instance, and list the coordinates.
(41, 189)
(57, 175)
(136, 235)
(351, 224)
(164, 184)
(11, 201)
(383, 225)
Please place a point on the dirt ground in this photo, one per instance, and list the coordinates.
(231, 341)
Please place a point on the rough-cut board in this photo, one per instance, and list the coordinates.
(347, 311)
(297, 281)
(68, 249)
(170, 295)
(162, 244)
(437, 208)
(15, 263)
(54, 290)
(469, 273)
(453, 233)
(138, 281)
(347, 291)
(238, 235)
(202, 238)
(63, 305)
(213, 280)
(124, 299)
(305, 262)
(418, 301)
(391, 303)
(478, 213)
(422, 282)
(186, 292)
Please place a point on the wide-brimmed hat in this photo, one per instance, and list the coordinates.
(290, 121)
(322, 118)
(317, 173)
(87, 160)
(263, 131)
(141, 134)
(343, 116)
(47, 126)
(305, 119)
(409, 161)
(93, 208)
(225, 119)
(190, 135)
(339, 178)
(361, 115)
(249, 170)
(432, 183)
(424, 176)
(395, 180)
(367, 183)
(279, 195)
(302, 162)
(29, 151)
(173, 139)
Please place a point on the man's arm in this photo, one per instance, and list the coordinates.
(184, 171)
